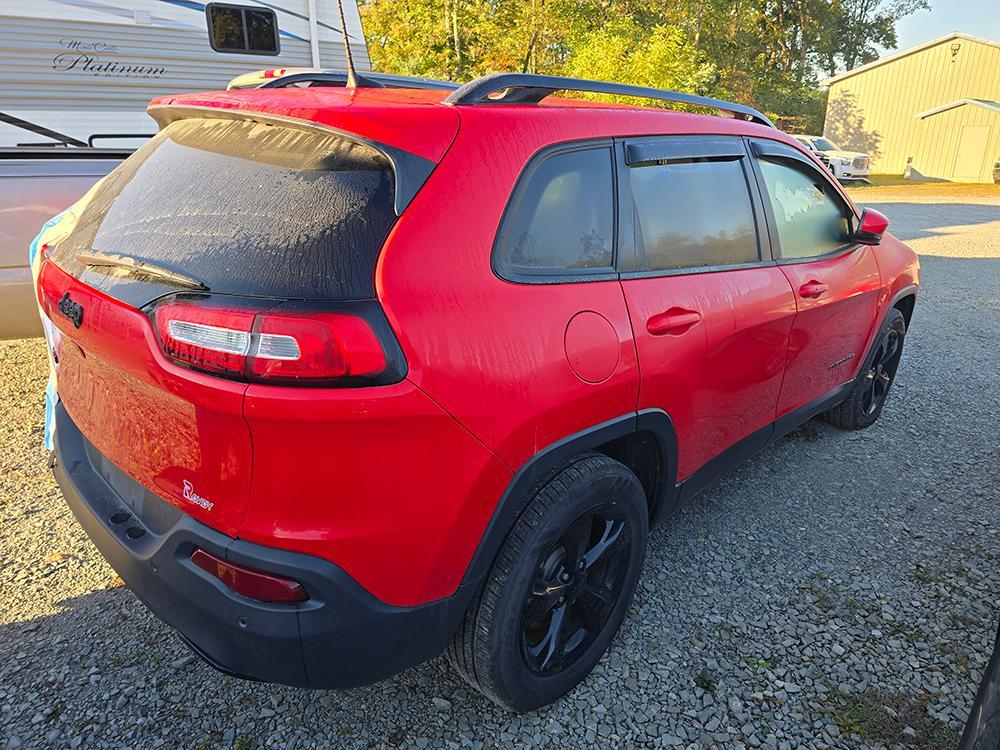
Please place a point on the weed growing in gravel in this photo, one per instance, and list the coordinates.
(906, 632)
(706, 681)
(858, 606)
(923, 575)
(757, 663)
(885, 720)
(958, 656)
(963, 621)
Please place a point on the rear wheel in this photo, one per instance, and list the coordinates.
(864, 404)
(559, 588)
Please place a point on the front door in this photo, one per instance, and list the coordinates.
(836, 283)
(971, 152)
(710, 310)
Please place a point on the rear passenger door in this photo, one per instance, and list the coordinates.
(836, 282)
(710, 310)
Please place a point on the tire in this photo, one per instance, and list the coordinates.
(593, 512)
(863, 405)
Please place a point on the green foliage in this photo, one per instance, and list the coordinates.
(866, 715)
(706, 681)
(624, 51)
(767, 53)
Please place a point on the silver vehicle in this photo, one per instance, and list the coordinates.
(33, 188)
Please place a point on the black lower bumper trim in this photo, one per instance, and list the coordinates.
(341, 637)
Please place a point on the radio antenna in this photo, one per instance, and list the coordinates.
(352, 74)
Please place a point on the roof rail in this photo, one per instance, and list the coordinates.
(528, 88)
(339, 78)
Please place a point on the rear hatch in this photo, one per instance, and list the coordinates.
(216, 218)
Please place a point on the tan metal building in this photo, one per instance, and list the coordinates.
(930, 111)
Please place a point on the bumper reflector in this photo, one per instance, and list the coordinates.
(253, 584)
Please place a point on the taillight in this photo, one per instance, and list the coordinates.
(270, 342)
(322, 345)
(215, 339)
(254, 584)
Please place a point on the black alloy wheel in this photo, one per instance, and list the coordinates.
(578, 584)
(559, 587)
(863, 405)
(882, 371)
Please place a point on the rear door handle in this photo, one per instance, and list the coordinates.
(813, 288)
(674, 321)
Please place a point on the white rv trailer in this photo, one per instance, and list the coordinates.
(88, 68)
(79, 71)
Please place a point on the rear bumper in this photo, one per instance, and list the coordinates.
(341, 637)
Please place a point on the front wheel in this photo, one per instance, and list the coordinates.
(559, 588)
(864, 403)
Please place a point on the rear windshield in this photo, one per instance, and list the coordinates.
(238, 206)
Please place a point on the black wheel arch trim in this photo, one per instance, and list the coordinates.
(561, 454)
(910, 290)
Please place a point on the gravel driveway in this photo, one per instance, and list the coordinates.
(840, 590)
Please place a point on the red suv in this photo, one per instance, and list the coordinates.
(352, 376)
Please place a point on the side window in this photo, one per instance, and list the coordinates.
(693, 213)
(242, 29)
(561, 218)
(810, 222)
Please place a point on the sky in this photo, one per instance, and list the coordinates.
(976, 17)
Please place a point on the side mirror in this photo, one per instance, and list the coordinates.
(872, 227)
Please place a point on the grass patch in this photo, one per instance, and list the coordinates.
(924, 575)
(858, 605)
(962, 620)
(911, 633)
(706, 681)
(866, 715)
(901, 185)
(756, 662)
(958, 656)
(724, 627)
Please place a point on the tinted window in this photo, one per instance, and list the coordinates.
(234, 28)
(242, 207)
(562, 217)
(261, 34)
(693, 213)
(809, 221)
(227, 28)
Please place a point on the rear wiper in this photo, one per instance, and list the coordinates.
(96, 258)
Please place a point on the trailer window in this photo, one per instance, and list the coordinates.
(241, 29)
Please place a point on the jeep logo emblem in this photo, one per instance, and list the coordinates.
(72, 310)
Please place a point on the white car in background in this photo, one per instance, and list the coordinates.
(845, 165)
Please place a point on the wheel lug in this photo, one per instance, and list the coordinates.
(562, 599)
(582, 565)
(564, 577)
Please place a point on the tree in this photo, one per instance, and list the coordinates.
(766, 53)
(661, 57)
(862, 28)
